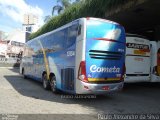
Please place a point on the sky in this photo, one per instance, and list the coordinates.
(12, 11)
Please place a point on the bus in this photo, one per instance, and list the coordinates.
(155, 61)
(85, 56)
(137, 59)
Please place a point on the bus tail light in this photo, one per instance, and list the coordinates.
(123, 72)
(88, 18)
(82, 72)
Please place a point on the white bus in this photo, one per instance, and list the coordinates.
(85, 56)
(155, 61)
(137, 58)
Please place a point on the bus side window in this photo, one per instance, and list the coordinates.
(72, 35)
(58, 40)
(35, 46)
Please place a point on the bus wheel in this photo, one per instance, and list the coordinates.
(46, 84)
(53, 84)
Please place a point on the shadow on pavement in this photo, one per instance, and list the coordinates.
(119, 102)
(34, 89)
(15, 70)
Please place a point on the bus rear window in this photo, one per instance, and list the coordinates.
(105, 29)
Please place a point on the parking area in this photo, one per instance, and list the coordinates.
(25, 96)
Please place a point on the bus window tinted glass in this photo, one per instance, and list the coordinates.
(58, 40)
(55, 41)
(72, 34)
(105, 29)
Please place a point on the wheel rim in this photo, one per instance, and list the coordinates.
(44, 81)
(53, 83)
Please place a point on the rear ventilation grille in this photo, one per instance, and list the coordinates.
(67, 78)
(98, 54)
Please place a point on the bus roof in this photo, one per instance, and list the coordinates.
(103, 20)
(73, 22)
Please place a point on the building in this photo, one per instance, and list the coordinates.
(2, 35)
(30, 19)
(13, 44)
(30, 23)
(14, 49)
(3, 48)
(17, 35)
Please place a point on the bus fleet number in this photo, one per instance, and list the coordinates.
(70, 53)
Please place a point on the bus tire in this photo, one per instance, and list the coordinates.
(46, 84)
(53, 84)
(24, 76)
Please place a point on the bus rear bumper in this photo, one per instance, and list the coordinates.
(91, 88)
(137, 79)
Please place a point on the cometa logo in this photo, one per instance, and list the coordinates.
(94, 68)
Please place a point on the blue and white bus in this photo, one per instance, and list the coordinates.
(86, 56)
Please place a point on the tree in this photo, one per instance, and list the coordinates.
(47, 18)
(57, 8)
(61, 5)
(64, 3)
(77, 1)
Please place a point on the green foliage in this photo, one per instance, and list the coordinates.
(84, 8)
(60, 8)
(65, 3)
(47, 18)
